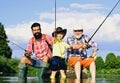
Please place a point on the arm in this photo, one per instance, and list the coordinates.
(90, 44)
(94, 52)
(94, 49)
(70, 41)
(29, 49)
(77, 46)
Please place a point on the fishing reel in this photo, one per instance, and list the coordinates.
(27, 53)
(88, 46)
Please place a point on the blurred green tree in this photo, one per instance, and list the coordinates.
(110, 61)
(5, 49)
(99, 63)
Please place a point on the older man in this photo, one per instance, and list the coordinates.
(78, 54)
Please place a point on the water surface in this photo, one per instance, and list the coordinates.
(101, 78)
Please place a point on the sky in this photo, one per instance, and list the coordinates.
(18, 15)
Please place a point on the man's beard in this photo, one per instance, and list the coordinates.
(78, 36)
(38, 35)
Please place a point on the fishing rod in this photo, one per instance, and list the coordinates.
(96, 31)
(55, 14)
(55, 18)
(16, 45)
(8, 41)
(103, 21)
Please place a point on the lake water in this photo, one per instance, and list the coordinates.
(101, 78)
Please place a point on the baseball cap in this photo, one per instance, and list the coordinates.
(77, 28)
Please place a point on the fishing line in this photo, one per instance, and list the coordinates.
(103, 21)
(8, 41)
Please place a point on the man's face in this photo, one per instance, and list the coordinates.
(77, 32)
(37, 32)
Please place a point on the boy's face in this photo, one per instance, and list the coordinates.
(59, 36)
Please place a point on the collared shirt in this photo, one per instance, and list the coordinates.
(59, 48)
(41, 48)
(82, 40)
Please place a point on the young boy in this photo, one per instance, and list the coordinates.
(59, 47)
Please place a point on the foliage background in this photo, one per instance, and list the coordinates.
(9, 66)
(111, 65)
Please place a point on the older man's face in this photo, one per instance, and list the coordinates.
(77, 32)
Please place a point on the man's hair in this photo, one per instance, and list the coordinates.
(35, 25)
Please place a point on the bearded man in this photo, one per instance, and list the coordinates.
(39, 45)
(77, 55)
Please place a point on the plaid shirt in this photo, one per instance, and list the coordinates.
(82, 40)
(41, 48)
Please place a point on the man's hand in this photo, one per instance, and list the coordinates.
(84, 46)
(77, 46)
(28, 53)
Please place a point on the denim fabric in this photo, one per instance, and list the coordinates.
(36, 62)
(57, 63)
